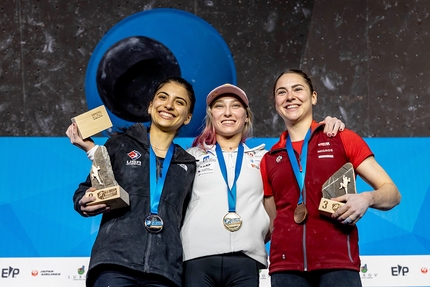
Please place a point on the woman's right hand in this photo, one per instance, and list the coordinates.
(92, 210)
(75, 138)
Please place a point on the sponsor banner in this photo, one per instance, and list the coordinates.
(388, 271)
(393, 271)
(43, 272)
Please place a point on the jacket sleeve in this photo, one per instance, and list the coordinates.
(79, 193)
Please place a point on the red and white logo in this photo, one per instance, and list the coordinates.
(134, 154)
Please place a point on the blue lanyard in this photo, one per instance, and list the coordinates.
(156, 184)
(231, 191)
(300, 174)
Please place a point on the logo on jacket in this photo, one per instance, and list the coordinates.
(279, 158)
(325, 151)
(134, 155)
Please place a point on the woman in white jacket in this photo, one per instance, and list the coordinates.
(225, 223)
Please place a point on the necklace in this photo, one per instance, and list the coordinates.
(158, 148)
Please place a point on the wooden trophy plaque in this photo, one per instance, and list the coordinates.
(340, 183)
(107, 190)
(92, 122)
(102, 178)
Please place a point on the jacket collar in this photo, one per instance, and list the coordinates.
(211, 148)
(281, 144)
(139, 132)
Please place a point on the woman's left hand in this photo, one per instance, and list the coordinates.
(355, 207)
(332, 126)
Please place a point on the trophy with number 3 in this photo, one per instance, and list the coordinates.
(340, 183)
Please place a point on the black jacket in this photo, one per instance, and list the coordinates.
(122, 238)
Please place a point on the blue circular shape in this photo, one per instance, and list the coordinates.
(203, 56)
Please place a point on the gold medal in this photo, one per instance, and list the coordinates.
(232, 221)
(300, 213)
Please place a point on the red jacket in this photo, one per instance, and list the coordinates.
(321, 242)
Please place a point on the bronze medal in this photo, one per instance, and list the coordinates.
(153, 223)
(232, 221)
(300, 213)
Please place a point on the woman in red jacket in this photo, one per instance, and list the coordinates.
(308, 249)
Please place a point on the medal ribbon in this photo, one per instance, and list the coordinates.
(300, 174)
(156, 183)
(230, 191)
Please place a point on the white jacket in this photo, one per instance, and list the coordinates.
(203, 232)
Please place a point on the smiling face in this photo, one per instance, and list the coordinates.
(170, 107)
(229, 116)
(294, 99)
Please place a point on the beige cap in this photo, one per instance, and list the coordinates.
(227, 89)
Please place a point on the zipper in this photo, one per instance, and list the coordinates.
(305, 259)
(230, 176)
(300, 163)
(147, 253)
